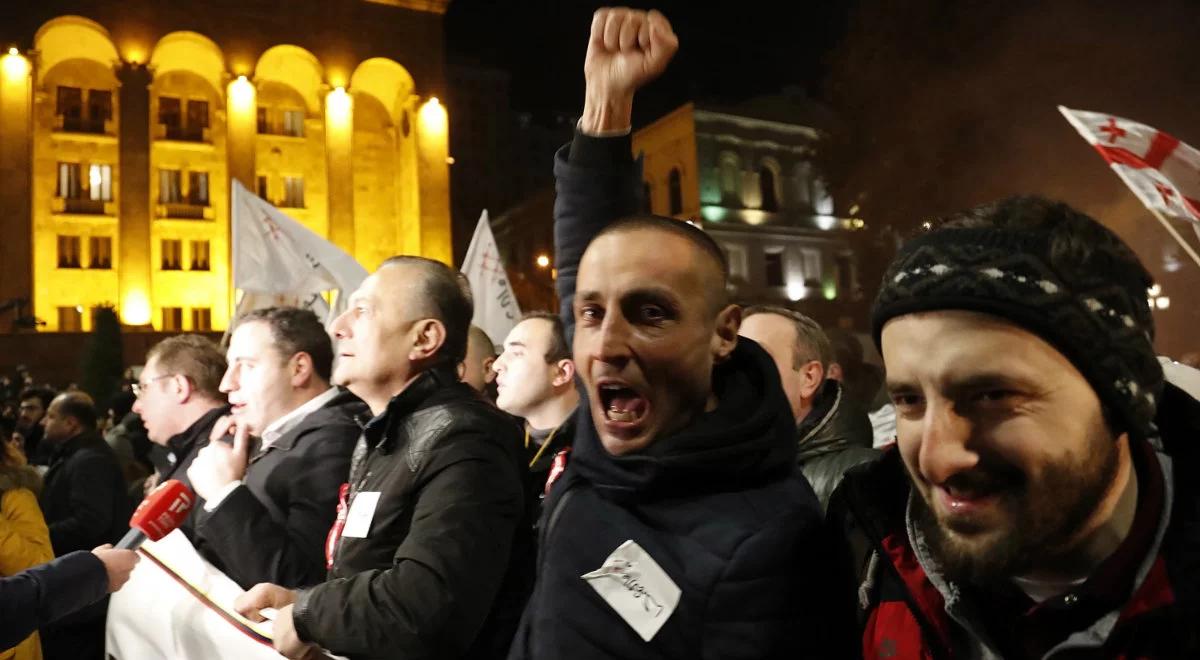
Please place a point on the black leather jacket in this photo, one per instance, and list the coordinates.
(429, 578)
(834, 437)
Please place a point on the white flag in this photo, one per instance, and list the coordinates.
(496, 309)
(278, 261)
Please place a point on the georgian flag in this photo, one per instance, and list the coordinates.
(1163, 172)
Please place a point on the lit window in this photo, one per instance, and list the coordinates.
(293, 192)
(200, 255)
(198, 188)
(100, 183)
(293, 123)
(101, 252)
(68, 252)
(69, 185)
(170, 190)
(171, 258)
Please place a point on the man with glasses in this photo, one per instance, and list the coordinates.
(179, 400)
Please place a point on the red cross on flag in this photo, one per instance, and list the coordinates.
(1163, 172)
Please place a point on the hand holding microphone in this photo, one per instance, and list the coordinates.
(163, 510)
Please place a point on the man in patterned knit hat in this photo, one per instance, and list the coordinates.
(1033, 503)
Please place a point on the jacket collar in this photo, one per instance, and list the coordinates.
(181, 443)
(378, 429)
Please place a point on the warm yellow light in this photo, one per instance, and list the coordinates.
(338, 105)
(135, 54)
(15, 65)
(135, 309)
(241, 92)
(433, 117)
(1154, 290)
(543, 261)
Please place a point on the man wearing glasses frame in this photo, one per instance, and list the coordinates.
(179, 400)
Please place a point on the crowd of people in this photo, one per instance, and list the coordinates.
(654, 471)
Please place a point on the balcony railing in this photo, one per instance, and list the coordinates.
(81, 206)
(185, 211)
(182, 133)
(88, 125)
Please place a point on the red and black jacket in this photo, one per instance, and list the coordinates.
(902, 614)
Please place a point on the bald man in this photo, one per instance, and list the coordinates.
(681, 506)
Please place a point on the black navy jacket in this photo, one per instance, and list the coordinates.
(273, 527)
(433, 576)
(720, 506)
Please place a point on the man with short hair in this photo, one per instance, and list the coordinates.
(535, 379)
(179, 399)
(434, 507)
(681, 526)
(84, 502)
(833, 433)
(476, 368)
(32, 405)
(1039, 502)
(272, 494)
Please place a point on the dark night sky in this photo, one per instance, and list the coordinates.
(945, 104)
(728, 52)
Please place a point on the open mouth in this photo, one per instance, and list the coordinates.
(622, 404)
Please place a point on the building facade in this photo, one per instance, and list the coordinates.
(754, 185)
(119, 140)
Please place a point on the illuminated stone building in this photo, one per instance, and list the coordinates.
(749, 177)
(123, 124)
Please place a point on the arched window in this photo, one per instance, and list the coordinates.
(766, 181)
(731, 176)
(675, 189)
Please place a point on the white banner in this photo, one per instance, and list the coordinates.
(176, 605)
(496, 309)
(277, 259)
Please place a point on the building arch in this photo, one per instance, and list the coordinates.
(191, 52)
(386, 81)
(768, 182)
(297, 68)
(69, 38)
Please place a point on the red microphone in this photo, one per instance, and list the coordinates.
(164, 509)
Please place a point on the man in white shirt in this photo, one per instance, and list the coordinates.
(271, 494)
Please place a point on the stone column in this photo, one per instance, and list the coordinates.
(134, 209)
(16, 177)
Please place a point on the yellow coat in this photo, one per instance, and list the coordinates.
(24, 542)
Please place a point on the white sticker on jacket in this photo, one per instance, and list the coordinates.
(362, 510)
(634, 585)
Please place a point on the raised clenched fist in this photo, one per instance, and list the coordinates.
(628, 48)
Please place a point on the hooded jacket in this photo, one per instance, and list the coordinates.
(719, 507)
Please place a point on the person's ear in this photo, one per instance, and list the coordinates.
(725, 335)
(429, 335)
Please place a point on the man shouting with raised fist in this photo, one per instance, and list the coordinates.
(681, 527)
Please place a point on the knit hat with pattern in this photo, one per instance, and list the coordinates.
(1089, 302)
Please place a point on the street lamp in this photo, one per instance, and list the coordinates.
(542, 261)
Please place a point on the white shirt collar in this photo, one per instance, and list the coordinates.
(281, 426)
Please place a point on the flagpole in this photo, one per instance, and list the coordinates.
(1175, 234)
(1158, 216)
